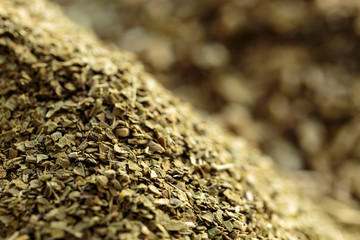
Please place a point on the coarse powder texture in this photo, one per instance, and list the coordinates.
(92, 147)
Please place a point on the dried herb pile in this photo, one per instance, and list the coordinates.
(282, 74)
(92, 147)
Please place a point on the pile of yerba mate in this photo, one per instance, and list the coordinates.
(91, 147)
(282, 74)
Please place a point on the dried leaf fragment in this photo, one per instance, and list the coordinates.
(122, 132)
(155, 147)
(175, 225)
(2, 172)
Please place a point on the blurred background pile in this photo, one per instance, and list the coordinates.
(283, 74)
